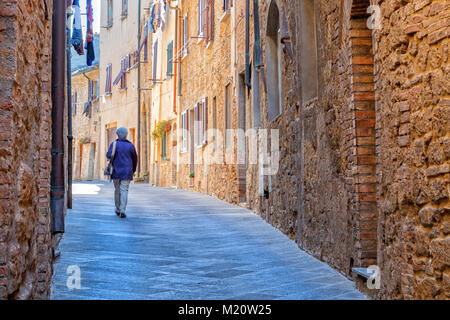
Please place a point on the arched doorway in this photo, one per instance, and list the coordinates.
(273, 55)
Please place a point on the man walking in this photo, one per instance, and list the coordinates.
(124, 163)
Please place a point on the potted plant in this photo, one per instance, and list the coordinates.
(160, 128)
(192, 176)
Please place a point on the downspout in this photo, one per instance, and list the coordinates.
(175, 60)
(139, 95)
(57, 189)
(69, 109)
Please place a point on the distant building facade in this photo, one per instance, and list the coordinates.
(86, 116)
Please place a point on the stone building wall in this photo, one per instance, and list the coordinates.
(25, 149)
(120, 108)
(205, 72)
(363, 171)
(413, 88)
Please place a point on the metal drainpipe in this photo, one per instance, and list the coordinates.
(175, 60)
(57, 189)
(69, 111)
(139, 96)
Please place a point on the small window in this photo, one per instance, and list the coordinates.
(124, 8)
(184, 131)
(204, 121)
(201, 18)
(228, 119)
(108, 84)
(227, 4)
(92, 90)
(164, 147)
(197, 124)
(170, 59)
(74, 103)
(209, 20)
(155, 60)
(123, 79)
(109, 21)
(185, 35)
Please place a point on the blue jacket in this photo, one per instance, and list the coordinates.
(125, 160)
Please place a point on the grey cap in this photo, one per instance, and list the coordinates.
(122, 132)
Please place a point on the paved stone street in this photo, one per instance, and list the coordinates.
(177, 244)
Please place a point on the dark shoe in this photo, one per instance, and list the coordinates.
(123, 215)
(118, 213)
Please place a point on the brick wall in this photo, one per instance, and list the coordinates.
(25, 144)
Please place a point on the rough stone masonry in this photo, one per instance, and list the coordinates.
(25, 148)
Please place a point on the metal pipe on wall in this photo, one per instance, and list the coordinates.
(139, 96)
(57, 189)
(69, 108)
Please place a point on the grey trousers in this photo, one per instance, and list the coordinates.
(121, 194)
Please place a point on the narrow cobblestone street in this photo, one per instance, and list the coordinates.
(181, 245)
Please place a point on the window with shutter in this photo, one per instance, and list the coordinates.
(109, 18)
(155, 60)
(227, 4)
(201, 17)
(108, 79)
(227, 115)
(164, 147)
(209, 20)
(185, 35)
(205, 122)
(170, 59)
(123, 79)
(196, 120)
(74, 103)
(184, 133)
(124, 8)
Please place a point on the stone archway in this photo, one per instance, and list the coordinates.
(273, 56)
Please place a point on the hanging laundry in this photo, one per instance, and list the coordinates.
(151, 20)
(87, 111)
(163, 13)
(158, 15)
(90, 57)
(77, 34)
